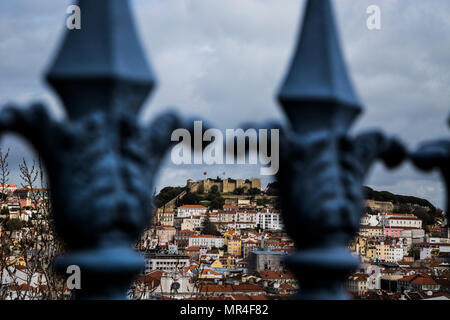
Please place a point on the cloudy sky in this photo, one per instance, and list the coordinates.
(224, 60)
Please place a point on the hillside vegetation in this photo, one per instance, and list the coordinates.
(421, 208)
(396, 199)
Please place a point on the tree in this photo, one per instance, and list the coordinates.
(214, 189)
(272, 189)
(395, 198)
(208, 227)
(166, 194)
(263, 202)
(254, 191)
(190, 198)
(239, 191)
(4, 174)
(402, 208)
(217, 203)
(370, 211)
(211, 196)
(38, 245)
(14, 224)
(6, 239)
(277, 203)
(425, 216)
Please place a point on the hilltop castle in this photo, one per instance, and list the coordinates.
(225, 186)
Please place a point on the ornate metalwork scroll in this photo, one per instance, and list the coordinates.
(435, 155)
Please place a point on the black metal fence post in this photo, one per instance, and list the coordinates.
(101, 162)
(435, 155)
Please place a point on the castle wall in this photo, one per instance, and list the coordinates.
(382, 206)
(225, 186)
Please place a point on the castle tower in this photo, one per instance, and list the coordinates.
(225, 186)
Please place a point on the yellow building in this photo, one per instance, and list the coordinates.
(358, 245)
(228, 234)
(383, 251)
(352, 245)
(228, 262)
(209, 274)
(371, 231)
(217, 264)
(371, 252)
(18, 261)
(361, 246)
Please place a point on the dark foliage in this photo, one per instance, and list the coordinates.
(167, 194)
(217, 203)
(215, 189)
(272, 189)
(254, 191)
(15, 224)
(395, 198)
(209, 228)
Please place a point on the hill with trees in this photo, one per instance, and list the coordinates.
(396, 199)
(421, 208)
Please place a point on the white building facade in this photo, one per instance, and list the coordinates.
(191, 210)
(269, 220)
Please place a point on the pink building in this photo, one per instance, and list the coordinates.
(393, 232)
